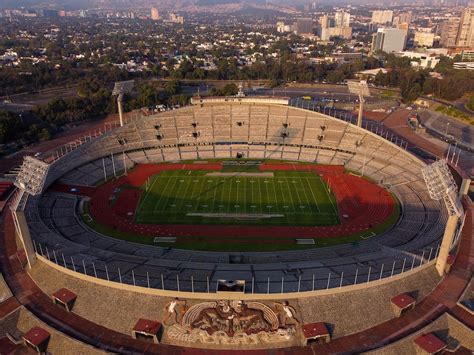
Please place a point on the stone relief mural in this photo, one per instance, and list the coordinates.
(231, 322)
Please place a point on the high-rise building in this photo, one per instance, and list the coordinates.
(382, 16)
(341, 27)
(389, 40)
(327, 33)
(303, 26)
(403, 17)
(176, 18)
(424, 39)
(324, 21)
(403, 26)
(465, 36)
(342, 19)
(449, 32)
(155, 15)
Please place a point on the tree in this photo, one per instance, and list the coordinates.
(10, 126)
(172, 87)
(470, 103)
(227, 90)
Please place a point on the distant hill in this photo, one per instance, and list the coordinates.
(60, 4)
(184, 5)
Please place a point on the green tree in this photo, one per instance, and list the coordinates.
(11, 126)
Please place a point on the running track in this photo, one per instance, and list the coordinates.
(364, 203)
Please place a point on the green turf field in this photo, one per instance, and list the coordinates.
(189, 197)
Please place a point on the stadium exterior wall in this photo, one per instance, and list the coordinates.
(233, 295)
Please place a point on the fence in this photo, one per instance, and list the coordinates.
(302, 281)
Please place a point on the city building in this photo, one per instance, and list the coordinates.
(327, 33)
(341, 27)
(403, 17)
(176, 18)
(449, 32)
(282, 27)
(466, 28)
(423, 39)
(342, 19)
(403, 26)
(467, 55)
(389, 40)
(324, 21)
(464, 65)
(303, 26)
(155, 15)
(382, 16)
(424, 60)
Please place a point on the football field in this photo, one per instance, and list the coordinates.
(205, 197)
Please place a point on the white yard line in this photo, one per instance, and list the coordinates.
(291, 197)
(274, 182)
(157, 203)
(185, 193)
(229, 197)
(329, 197)
(305, 195)
(215, 195)
(168, 197)
(312, 193)
(260, 194)
(147, 194)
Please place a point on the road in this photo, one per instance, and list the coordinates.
(448, 127)
(397, 121)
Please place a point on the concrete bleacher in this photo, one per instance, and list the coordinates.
(256, 131)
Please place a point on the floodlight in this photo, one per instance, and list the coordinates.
(32, 176)
(360, 88)
(121, 88)
(441, 186)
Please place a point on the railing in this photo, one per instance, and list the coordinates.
(16, 198)
(300, 282)
(67, 148)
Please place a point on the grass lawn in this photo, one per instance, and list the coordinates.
(196, 197)
(302, 198)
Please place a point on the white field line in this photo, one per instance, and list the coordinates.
(291, 197)
(312, 193)
(305, 195)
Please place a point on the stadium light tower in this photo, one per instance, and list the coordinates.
(121, 88)
(441, 186)
(360, 88)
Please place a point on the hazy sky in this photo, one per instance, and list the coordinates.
(136, 3)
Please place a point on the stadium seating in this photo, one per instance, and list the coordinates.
(221, 131)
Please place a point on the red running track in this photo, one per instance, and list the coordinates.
(362, 205)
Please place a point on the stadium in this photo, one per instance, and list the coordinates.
(242, 223)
